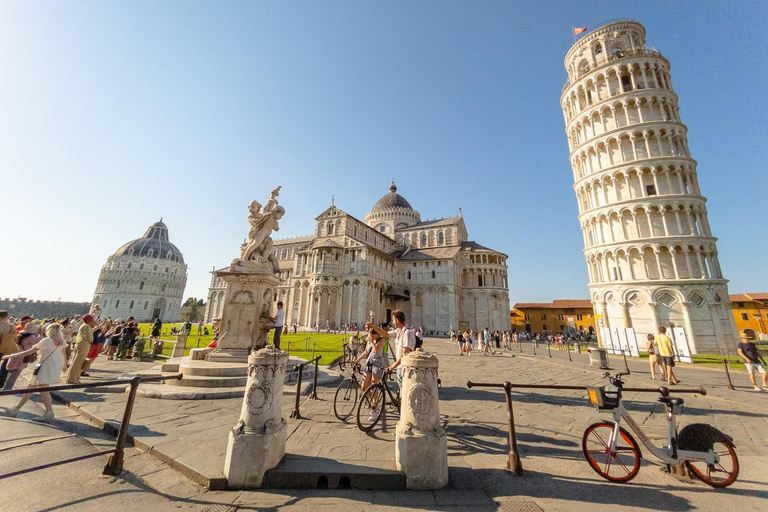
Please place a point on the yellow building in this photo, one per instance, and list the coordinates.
(750, 310)
(555, 316)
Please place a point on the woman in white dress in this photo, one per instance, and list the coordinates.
(52, 362)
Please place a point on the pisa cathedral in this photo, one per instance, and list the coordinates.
(651, 255)
(349, 269)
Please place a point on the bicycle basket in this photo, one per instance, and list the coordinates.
(602, 399)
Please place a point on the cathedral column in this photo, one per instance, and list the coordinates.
(311, 298)
(714, 311)
(625, 314)
(337, 314)
(687, 320)
(654, 316)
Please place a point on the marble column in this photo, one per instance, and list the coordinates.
(421, 450)
(257, 442)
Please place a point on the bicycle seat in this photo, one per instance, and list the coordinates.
(669, 400)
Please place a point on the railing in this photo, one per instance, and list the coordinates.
(115, 463)
(513, 460)
(296, 413)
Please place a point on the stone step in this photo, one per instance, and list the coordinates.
(200, 381)
(199, 368)
(318, 473)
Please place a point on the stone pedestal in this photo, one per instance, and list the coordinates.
(421, 450)
(180, 346)
(245, 319)
(257, 441)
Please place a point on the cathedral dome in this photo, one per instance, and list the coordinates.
(391, 200)
(154, 244)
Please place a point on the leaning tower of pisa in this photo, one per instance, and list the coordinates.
(649, 249)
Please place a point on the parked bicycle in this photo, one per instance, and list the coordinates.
(374, 402)
(345, 399)
(615, 455)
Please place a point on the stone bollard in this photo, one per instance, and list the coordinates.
(421, 449)
(257, 441)
(179, 346)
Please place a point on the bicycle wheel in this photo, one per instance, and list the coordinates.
(345, 400)
(720, 474)
(619, 466)
(371, 408)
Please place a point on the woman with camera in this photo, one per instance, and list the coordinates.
(52, 362)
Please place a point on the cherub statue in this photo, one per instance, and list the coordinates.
(259, 244)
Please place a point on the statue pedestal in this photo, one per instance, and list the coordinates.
(421, 449)
(257, 441)
(245, 319)
(180, 346)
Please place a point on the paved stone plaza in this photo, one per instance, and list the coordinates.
(182, 446)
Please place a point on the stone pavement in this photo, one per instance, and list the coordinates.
(549, 425)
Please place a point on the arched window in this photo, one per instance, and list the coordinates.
(409, 274)
(423, 240)
(433, 274)
(382, 229)
(163, 288)
(141, 267)
(440, 238)
(330, 228)
(141, 285)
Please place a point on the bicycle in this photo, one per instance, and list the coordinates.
(374, 401)
(345, 399)
(613, 453)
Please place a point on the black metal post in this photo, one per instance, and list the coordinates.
(115, 463)
(313, 395)
(568, 349)
(520, 344)
(549, 348)
(626, 366)
(534, 347)
(295, 413)
(728, 375)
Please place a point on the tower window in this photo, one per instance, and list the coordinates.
(409, 274)
(382, 228)
(141, 285)
(141, 267)
(433, 274)
(650, 190)
(117, 303)
(146, 304)
(479, 280)
(131, 306)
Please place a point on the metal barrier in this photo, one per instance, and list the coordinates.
(728, 375)
(115, 463)
(296, 413)
(513, 460)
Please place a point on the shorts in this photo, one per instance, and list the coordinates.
(376, 363)
(668, 360)
(755, 368)
(655, 359)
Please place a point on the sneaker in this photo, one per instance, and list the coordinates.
(48, 416)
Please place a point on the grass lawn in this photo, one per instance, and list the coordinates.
(300, 345)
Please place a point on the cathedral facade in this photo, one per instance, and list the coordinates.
(350, 271)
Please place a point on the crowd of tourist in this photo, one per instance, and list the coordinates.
(64, 346)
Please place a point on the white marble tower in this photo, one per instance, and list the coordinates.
(649, 249)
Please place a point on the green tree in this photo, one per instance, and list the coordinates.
(192, 310)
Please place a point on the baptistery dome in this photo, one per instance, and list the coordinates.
(154, 244)
(144, 279)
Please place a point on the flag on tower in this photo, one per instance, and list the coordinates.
(577, 31)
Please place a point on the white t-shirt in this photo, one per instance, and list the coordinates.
(279, 318)
(403, 338)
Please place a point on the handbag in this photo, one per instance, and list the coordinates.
(36, 370)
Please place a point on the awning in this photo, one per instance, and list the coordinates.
(397, 293)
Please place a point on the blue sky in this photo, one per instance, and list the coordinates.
(114, 114)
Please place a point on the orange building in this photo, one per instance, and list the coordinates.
(750, 311)
(555, 316)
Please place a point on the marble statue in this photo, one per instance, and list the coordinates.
(258, 248)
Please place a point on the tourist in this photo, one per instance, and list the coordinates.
(52, 350)
(67, 332)
(114, 338)
(405, 340)
(654, 358)
(419, 337)
(469, 342)
(127, 341)
(752, 361)
(376, 361)
(99, 337)
(199, 327)
(7, 344)
(83, 343)
(26, 338)
(279, 322)
(157, 326)
(487, 343)
(666, 351)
